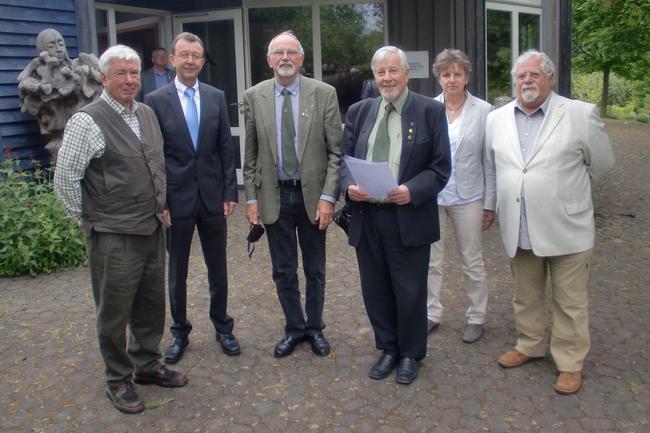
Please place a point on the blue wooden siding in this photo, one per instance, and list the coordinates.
(20, 22)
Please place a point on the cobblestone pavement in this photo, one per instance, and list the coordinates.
(51, 374)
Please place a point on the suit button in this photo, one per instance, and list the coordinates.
(517, 199)
(524, 170)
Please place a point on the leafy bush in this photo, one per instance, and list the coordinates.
(36, 234)
(643, 118)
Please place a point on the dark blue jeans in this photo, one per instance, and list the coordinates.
(283, 247)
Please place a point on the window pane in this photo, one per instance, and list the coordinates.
(102, 30)
(265, 23)
(220, 68)
(350, 34)
(499, 50)
(528, 32)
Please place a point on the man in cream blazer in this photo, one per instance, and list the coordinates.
(548, 152)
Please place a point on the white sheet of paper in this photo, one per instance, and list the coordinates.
(374, 177)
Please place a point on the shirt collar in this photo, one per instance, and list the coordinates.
(542, 108)
(397, 103)
(292, 87)
(115, 105)
(182, 87)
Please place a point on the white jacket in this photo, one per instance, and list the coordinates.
(571, 151)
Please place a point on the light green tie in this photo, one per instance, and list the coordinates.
(381, 149)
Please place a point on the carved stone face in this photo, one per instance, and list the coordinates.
(51, 41)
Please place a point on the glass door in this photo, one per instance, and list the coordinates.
(222, 35)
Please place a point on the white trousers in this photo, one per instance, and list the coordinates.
(466, 220)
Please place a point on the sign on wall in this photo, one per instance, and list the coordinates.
(418, 63)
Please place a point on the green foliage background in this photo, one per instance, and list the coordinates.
(37, 235)
(612, 38)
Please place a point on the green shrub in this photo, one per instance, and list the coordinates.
(643, 118)
(622, 113)
(36, 234)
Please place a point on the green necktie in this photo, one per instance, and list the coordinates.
(288, 130)
(381, 148)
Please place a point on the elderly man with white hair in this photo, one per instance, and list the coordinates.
(110, 176)
(393, 235)
(548, 152)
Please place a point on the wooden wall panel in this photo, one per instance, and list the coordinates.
(425, 25)
(21, 21)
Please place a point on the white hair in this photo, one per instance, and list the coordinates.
(291, 35)
(545, 62)
(119, 52)
(386, 51)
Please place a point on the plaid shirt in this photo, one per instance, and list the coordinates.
(83, 140)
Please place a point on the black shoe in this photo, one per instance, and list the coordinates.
(125, 398)
(286, 345)
(229, 344)
(319, 344)
(161, 377)
(176, 348)
(383, 366)
(407, 371)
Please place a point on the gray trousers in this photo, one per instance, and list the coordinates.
(128, 280)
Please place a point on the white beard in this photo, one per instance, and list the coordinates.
(286, 70)
(389, 95)
(530, 95)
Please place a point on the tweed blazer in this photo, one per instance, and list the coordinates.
(319, 153)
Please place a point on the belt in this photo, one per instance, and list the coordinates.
(289, 182)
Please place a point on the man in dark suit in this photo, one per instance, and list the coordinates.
(159, 75)
(201, 188)
(393, 235)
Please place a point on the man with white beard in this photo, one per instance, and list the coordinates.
(291, 173)
(548, 152)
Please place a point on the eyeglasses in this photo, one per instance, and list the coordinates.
(282, 53)
(534, 75)
(185, 56)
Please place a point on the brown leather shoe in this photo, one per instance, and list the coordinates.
(125, 399)
(568, 382)
(514, 359)
(163, 376)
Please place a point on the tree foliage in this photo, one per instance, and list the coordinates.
(611, 36)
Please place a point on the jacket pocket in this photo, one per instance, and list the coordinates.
(577, 207)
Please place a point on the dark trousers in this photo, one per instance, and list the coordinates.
(213, 234)
(128, 280)
(394, 284)
(284, 257)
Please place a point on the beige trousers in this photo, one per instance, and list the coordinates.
(466, 220)
(569, 273)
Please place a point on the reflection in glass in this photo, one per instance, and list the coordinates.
(265, 23)
(528, 32)
(102, 30)
(220, 69)
(350, 34)
(499, 53)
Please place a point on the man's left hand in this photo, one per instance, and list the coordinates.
(400, 195)
(228, 208)
(324, 213)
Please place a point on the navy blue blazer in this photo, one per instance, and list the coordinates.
(209, 171)
(148, 82)
(425, 164)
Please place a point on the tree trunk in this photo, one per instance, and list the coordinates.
(604, 96)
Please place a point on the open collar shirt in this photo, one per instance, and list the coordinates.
(527, 127)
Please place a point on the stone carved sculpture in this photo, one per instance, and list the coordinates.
(53, 87)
